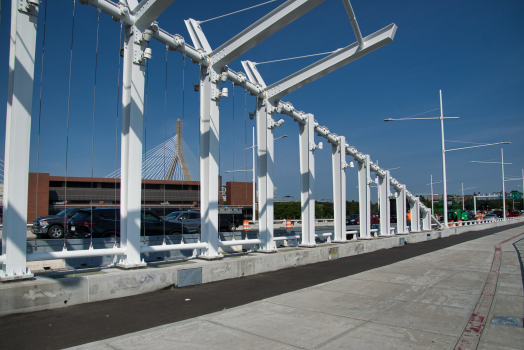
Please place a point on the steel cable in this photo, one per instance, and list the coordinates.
(39, 123)
(93, 137)
(67, 124)
(143, 172)
(117, 119)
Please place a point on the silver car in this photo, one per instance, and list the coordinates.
(189, 218)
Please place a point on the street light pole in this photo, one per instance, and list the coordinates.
(444, 181)
(444, 150)
(503, 185)
(503, 179)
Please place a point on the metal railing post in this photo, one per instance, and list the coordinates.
(266, 157)
(385, 210)
(364, 180)
(401, 211)
(307, 180)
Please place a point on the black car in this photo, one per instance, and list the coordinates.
(350, 220)
(52, 226)
(105, 222)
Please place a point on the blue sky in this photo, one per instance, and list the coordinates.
(471, 50)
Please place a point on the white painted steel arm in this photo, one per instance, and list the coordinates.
(197, 35)
(119, 12)
(253, 73)
(331, 63)
(240, 79)
(261, 30)
(288, 109)
(177, 42)
(147, 11)
(354, 24)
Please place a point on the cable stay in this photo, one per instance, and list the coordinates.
(232, 13)
(295, 58)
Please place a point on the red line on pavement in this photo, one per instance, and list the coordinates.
(477, 321)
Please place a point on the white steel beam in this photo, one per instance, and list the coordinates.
(197, 35)
(261, 30)
(265, 158)
(307, 180)
(331, 63)
(17, 140)
(133, 80)
(337, 192)
(385, 210)
(252, 73)
(414, 206)
(148, 11)
(364, 180)
(209, 160)
(338, 155)
(426, 220)
(401, 211)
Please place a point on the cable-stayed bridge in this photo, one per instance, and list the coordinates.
(170, 160)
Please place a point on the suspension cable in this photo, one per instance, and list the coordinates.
(233, 88)
(116, 128)
(39, 123)
(294, 58)
(182, 123)
(245, 133)
(232, 13)
(67, 123)
(145, 143)
(93, 137)
(165, 127)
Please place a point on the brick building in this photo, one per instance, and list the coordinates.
(49, 194)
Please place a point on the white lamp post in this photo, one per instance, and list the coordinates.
(444, 150)
(253, 170)
(503, 181)
(463, 189)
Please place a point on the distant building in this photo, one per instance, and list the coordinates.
(49, 195)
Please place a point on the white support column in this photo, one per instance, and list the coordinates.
(364, 180)
(426, 220)
(414, 207)
(209, 160)
(338, 154)
(131, 153)
(385, 210)
(266, 156)
(401, 212)
(17, 139)
(307, 180)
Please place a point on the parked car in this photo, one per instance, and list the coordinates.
(105, 222)
(350, 220)
(514, 214)
(189, 218)
(375, 220)
(490, 217)
(52, 226)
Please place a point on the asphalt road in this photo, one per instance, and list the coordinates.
(80, 324)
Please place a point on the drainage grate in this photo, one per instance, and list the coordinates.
(189, 277)
(401, 241)
(507, 321)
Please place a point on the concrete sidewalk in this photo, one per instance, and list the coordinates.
(426, 302)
